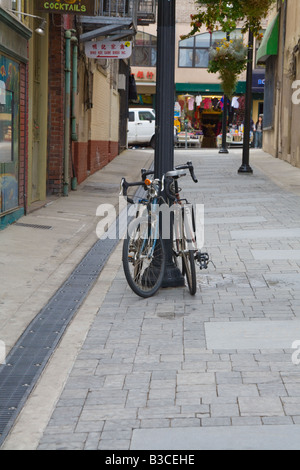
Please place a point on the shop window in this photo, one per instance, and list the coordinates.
(6, 125)
(270, 92)
(9, 133)
(194, 51)
(145, 50)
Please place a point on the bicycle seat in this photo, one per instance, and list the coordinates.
(176, 173)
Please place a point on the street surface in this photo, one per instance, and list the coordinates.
(216, 371)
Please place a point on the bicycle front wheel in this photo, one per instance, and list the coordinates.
(189, 270)
(143, 261)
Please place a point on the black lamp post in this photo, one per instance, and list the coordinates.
(165, 85)
(164, 136)
(245, 167)
(224, 148)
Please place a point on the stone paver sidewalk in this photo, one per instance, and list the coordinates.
(173, 365)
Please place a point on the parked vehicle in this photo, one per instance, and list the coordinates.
(141, 127)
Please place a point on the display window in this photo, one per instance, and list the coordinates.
(9, 133)
(199, 117)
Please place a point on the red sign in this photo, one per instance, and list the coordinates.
(145, 75)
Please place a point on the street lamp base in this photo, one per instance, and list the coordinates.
(223, 150)
(245, 169)
(173, 276)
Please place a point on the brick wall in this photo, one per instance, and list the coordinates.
(23, 137)
(91, 156)
(56, 107)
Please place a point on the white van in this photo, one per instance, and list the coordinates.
(141, 127)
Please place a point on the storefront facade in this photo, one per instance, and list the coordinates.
(280, 54)
(201, 108)
(13, 118)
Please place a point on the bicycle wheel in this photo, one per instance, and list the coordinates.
(189, 270)
(188, 249)
(143, 260)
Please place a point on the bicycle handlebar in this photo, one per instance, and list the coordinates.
(124, 188)
(188, 166)
(125, 185)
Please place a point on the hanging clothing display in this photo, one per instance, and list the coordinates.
(207, 103)
(132, 91)
(191, 103)
(235, 102)
(198, 100)
(215, 103)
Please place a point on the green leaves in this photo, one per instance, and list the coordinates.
(226, 15)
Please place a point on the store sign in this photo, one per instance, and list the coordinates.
(145, 75)
(75, 7)
(108, 49)
(258, 82)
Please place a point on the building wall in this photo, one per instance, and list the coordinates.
(56, 107)
(282, 140)
(97, 110)
(23, 162)
(38, 113)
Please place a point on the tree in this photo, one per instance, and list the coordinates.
(226, 15)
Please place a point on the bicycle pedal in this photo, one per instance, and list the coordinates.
(202, 259)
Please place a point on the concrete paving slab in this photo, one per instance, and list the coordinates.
(266, 233)
(218, 438)
(252, 334)
(234, 220)
(262, 255)
(288, 281)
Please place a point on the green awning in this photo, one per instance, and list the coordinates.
(269, 45)
(203, 88)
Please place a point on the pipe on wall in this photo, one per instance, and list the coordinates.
(68, 73)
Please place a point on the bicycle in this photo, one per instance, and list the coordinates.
(185, 231)
(144, 257)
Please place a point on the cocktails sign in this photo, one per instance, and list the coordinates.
(75, 7)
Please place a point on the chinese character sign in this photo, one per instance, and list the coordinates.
(108, 49)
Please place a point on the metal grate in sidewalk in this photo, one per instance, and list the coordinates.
(42, 227)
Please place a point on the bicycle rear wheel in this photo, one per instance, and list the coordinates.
(143, 261)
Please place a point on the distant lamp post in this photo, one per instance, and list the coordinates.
(224, 148)
(245, 167)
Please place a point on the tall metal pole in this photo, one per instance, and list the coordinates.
(245, 167)
(165, 88)
(164, 136)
